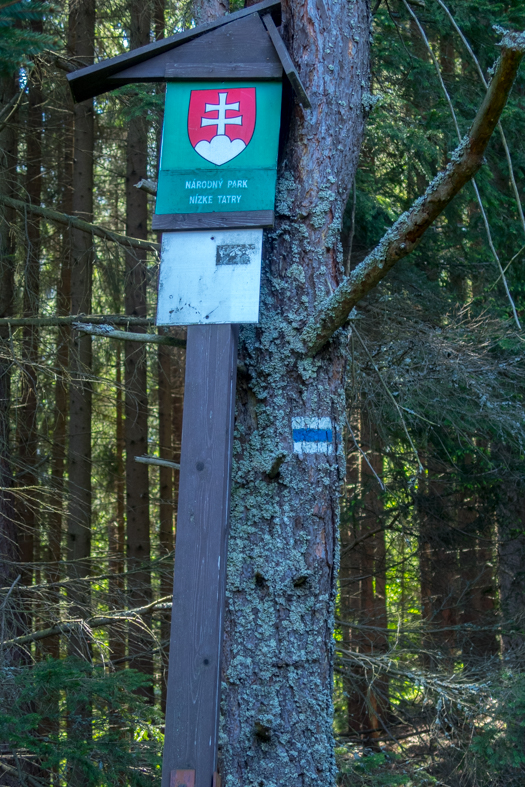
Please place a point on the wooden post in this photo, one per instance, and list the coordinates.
(193, 696)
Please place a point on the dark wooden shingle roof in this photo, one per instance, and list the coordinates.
(204, 52)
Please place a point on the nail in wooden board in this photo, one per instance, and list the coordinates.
(200, 554)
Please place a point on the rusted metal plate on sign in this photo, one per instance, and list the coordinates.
(235, 253)
(209, 278)
(182, 779)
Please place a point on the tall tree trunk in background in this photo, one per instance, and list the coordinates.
(209, 10)
(438, 567)
(159, 19)
(81, 39)
(82, 32)
(59, 446)
(282, 563)
(136, 425)
(370, 700)
(350, 596)
(117, 527)
(27, 435)
(511, 562)
(8, 159)
(176, 393)
(476, 562)
(166, 508)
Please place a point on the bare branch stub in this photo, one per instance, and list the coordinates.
(109, 332)
(407, 231)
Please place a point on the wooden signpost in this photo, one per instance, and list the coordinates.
(216, 192)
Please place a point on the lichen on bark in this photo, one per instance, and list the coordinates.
(276, 724)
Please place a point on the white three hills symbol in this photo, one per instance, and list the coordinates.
(221, 148)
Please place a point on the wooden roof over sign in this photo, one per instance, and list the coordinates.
(204, 52)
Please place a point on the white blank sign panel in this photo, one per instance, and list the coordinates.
(209, 277)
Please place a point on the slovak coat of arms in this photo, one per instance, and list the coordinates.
(221, 122)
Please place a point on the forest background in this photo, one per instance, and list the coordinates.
(429, 685)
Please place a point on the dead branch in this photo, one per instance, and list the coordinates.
(95, 319)
(403, 237)
(154, 460)
(14, 771)
(147, 185)
(80, 224)
(89, 623)
(128, 336)
(10, 108)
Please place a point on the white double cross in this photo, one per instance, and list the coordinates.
(222, 121)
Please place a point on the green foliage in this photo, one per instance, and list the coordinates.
(111, 732)
(378, 770)
(498, 748)
(20, 41)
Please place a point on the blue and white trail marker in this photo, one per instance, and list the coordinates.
(312, 436)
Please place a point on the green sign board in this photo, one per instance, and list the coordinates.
(219, 146)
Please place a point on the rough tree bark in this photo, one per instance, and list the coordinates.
(208, 10)
(367, 693)
(511, 559)
(349, 587)
(81, 36)
(283, 559)
(136, 397)
(476, 573)
(438, 559)
(59, 445)
(27, 436)
(117, 527)
(277, 656)
(8, 158)
(81, 41)
(166, 507)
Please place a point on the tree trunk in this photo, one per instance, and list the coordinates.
(8, 160)
(349, 588)
(208, 10)
(283, 554)
(81, 44)
(136, 405)
(59, 446)
(476, 561)
(81, 34)
(511, 566)
(159, 18)
(368, 692)
(166, 507)
(27, 437)
(117, 527)
(439, 569)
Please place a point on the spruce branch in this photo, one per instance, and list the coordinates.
(484, 216)
(86, 625)
(407, 231)
(79, 224)
(58, 320)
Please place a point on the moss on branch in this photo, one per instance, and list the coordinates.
(407, 231)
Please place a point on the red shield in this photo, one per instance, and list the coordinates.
(221, 122)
